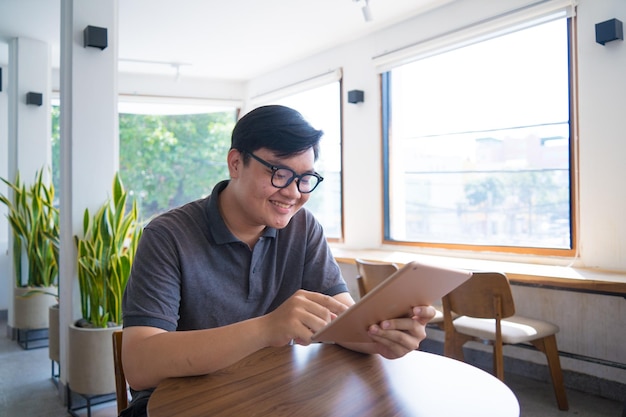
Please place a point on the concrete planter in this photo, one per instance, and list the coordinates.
(31, 312)
(53, 334)
(90, 368)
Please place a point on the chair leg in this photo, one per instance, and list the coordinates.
(498, 361)
(548, 346)
(453, 345)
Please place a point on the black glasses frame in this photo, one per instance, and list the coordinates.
(295, 176)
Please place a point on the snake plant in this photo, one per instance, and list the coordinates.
(34, 222)
(105, 257)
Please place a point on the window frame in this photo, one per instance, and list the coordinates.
(384, 80)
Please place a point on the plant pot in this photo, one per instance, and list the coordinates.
(53, 334)
(90, 367)
(32, 312)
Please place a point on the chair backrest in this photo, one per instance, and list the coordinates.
(121, 389)
(485, 295)
(372, 273)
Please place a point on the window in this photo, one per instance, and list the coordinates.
(172, 153)
(55, 142)
(321, 106)
(477, 144)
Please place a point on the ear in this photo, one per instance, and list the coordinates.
(235, 163)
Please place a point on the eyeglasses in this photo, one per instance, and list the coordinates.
(283, 176)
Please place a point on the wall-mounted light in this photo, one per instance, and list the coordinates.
(608, 31)
(356, 96)
(95, 37)
(35, 99)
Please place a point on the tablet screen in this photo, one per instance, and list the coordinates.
(415, 284)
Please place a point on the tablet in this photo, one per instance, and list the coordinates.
(415, 284)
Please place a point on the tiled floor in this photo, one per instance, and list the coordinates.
(26, 390)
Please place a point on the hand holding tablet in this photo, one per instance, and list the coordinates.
(416, 284)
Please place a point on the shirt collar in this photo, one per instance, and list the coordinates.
(219, 230)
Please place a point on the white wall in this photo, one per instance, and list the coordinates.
(27, 134)
(602, 142)
(4, 172)
(89, 140)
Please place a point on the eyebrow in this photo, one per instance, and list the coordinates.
(310, 171)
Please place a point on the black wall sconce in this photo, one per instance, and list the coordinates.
(95, 37)
(608, 31)
(356, 96)
(35, 99)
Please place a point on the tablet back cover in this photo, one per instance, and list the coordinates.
(415, 284)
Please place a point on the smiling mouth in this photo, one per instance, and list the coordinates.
(281, 205)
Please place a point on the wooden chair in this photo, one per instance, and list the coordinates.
(121, 387)
(486, 312)
(372, 273)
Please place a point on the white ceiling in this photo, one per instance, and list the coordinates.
(219, 39)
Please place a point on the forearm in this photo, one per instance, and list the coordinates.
(151, 355)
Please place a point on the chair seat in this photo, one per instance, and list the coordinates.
(515, 329)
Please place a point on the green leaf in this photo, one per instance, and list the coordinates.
(105, 255)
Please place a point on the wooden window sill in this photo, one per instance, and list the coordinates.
(546, 276)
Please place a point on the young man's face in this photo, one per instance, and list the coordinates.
(262, 203)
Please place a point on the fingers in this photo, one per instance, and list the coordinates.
(395, 338)
(424, 314)
(408, 331)
(393, 343)
(302, 315)
(331, 303)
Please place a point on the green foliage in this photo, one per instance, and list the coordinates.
(485, 191)
(166, 160)
(105, 256)
(35, 225)
(171, 160)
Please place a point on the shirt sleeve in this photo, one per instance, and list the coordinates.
(152, 295)
(321, 272)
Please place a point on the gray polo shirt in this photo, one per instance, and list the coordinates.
(190, 272)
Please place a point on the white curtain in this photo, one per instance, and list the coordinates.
(532, 14)
(298, 87)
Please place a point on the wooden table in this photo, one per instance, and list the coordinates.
(329, 381)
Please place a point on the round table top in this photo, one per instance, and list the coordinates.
(327, 380)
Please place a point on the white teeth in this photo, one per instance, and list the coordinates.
(281, 205)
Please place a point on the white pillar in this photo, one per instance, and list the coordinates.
(89, 138)
(29, 125)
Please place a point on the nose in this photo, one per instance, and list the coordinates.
(292, 189)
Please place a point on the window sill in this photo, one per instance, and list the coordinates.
(546, 276)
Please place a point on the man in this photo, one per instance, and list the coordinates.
(245, 268)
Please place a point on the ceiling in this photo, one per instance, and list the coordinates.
(218, 39)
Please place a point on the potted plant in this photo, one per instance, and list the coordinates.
(34, 222)
(105, 255)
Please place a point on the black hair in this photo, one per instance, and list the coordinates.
(280, 129)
